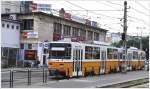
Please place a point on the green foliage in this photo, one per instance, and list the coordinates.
(117, 44)
(135, 42)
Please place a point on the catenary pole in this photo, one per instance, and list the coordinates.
(125, 33)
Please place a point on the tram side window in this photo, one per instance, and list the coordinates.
(88, 52)
(96, 53)
(143, 56)
(120, 54)
(115, 52)
(129, 56)
(135, 55)
(109, 53)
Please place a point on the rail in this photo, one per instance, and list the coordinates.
(11, 75)
(127, 84)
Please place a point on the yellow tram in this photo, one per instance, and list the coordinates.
(79, 59)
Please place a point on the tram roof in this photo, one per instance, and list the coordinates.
(87, 44)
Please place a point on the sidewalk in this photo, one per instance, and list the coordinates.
(89, 82)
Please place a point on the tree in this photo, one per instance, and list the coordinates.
(135, 42)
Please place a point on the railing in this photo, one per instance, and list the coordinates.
(16, 76)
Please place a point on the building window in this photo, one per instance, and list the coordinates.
(17, 27)
(27, 24)
(12, 26)
(75, 32)
(90, 35)
(4, 52)
(57, 28)
(3, 25)
(67, 30)
(83, 33)
(102, 37)
(96, 36)
(22, 46)
(29, 46)
(7, 25)
(7, 10)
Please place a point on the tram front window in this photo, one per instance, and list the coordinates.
(60, 51)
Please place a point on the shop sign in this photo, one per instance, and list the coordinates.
(24, 35)
(30, 54)
(40, 7)
(32, 35)
(67, 16)
(78, 19)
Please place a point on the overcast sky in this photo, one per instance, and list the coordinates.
(108, 13)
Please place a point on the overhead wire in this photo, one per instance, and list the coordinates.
(130, 7)
(141, 5)
(138, 19)
(92, 11)
(107, 5)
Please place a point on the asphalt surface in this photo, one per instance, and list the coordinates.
(146, 85)
(20, 80)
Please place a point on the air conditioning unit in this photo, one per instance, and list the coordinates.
(12, 17)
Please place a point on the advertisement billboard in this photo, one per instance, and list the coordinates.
(26, 35)
(37, 7)
(32, 35)
(78, 19)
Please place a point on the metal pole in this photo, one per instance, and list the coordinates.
(141, 41)
(10, 79)
(7, 57)
(30, 77)
(77, 71)
(43, 75)
(125, 32)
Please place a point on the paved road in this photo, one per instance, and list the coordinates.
(146, 85)
(96, 81)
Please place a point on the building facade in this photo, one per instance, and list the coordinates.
(10, 7)
(40, 27)
(113, 37)
(15, 7)
(10, 42)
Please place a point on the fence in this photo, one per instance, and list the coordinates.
(11, 78)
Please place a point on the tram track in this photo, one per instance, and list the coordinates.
(127, 84)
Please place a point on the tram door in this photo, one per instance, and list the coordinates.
(103, 62)
(77, 62)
